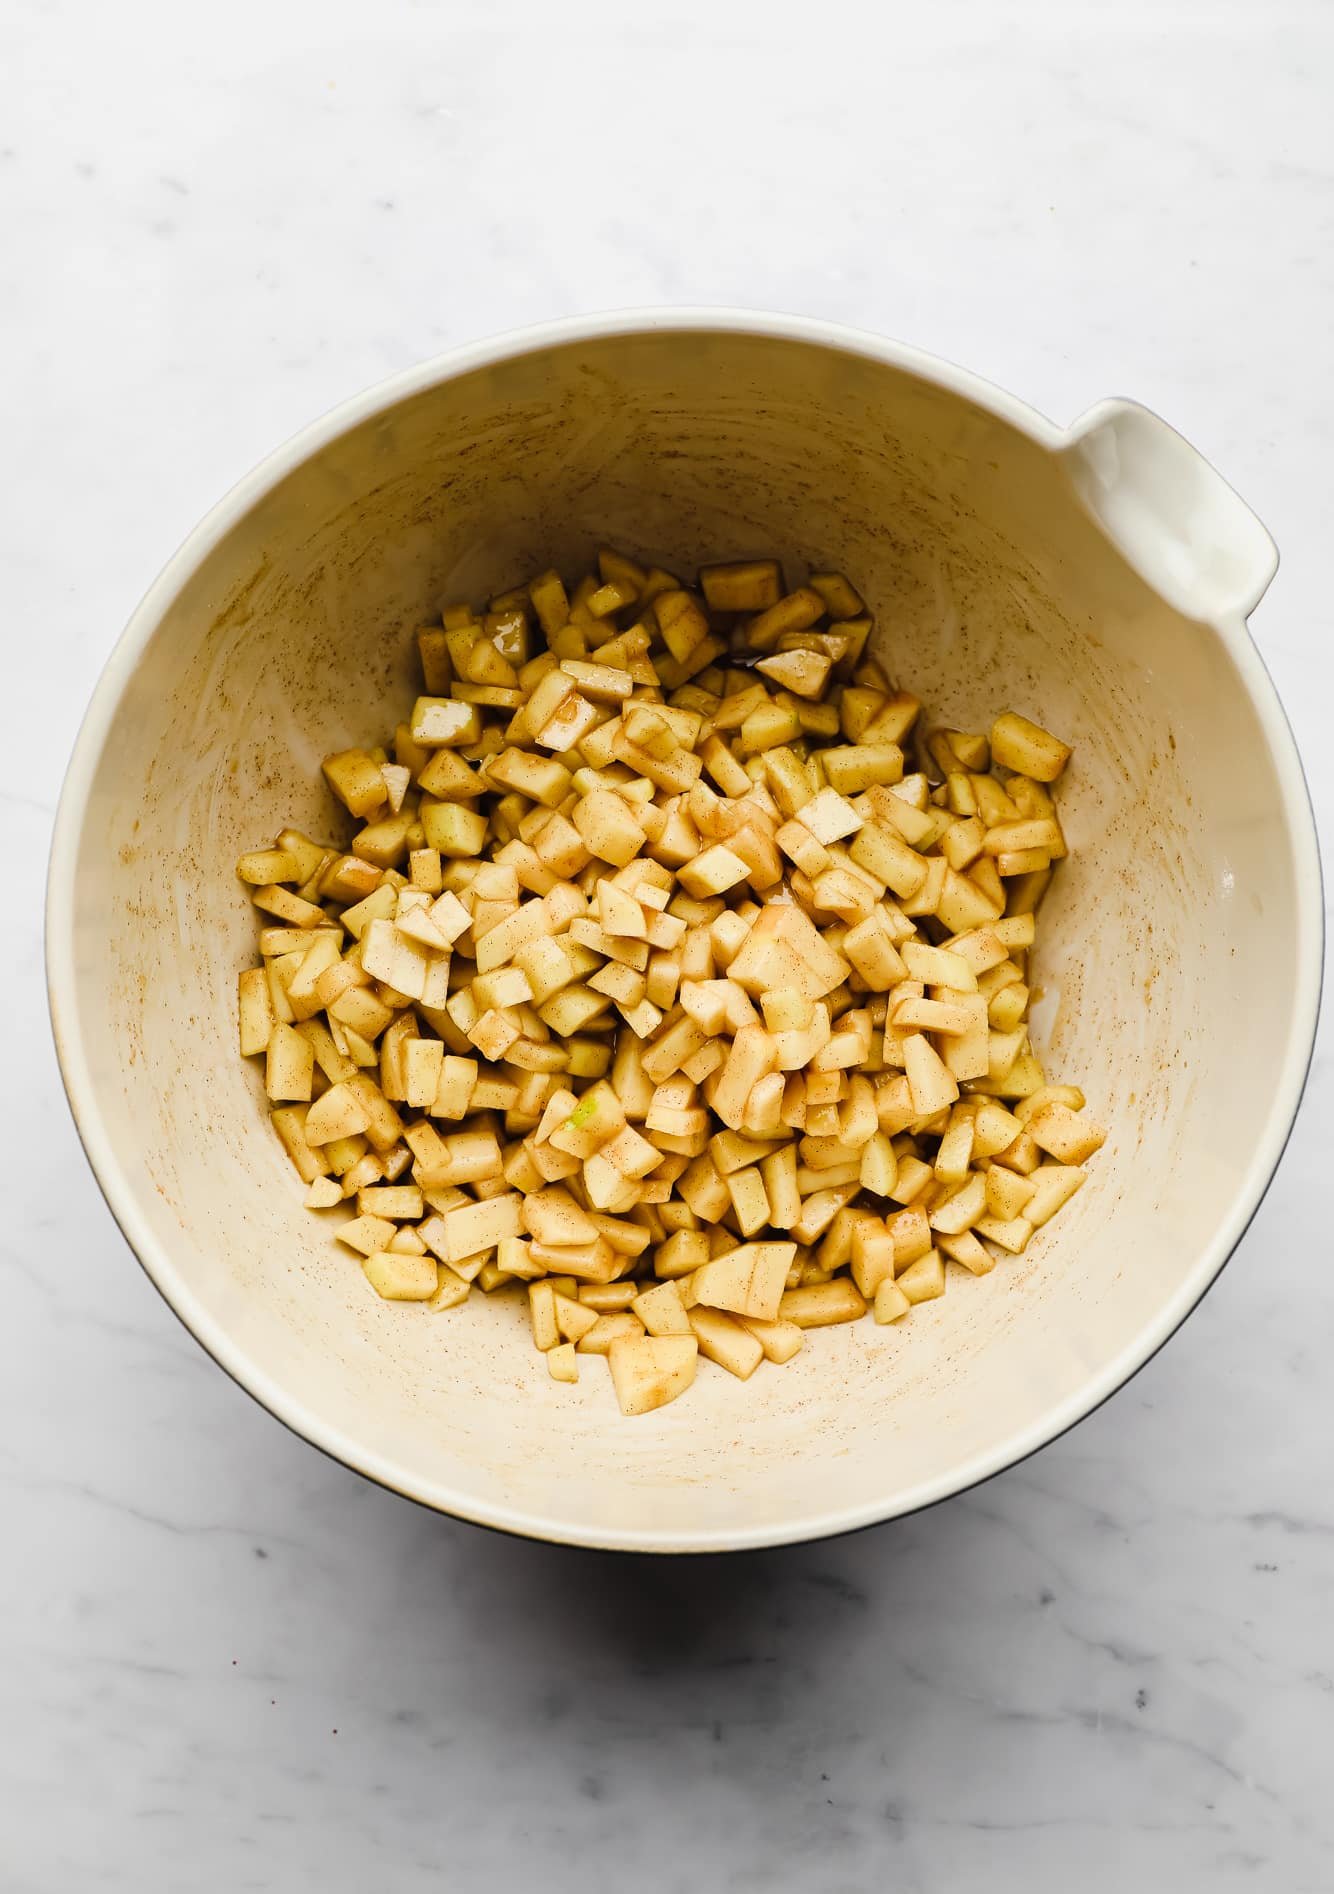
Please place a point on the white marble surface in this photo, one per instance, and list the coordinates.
(228, 1664)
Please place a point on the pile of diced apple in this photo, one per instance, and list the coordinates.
(673, 973)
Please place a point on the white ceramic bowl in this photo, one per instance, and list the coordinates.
(1097, 579)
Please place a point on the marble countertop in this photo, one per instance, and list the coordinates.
(229, 1664)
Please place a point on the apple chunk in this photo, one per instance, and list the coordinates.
(648, 1371)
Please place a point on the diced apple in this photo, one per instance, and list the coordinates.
(663, 928)
(648, 1371)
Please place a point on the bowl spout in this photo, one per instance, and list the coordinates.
(1169, 512)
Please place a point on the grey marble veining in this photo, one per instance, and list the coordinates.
(229, 1664)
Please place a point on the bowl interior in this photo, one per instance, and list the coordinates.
(1168, 956)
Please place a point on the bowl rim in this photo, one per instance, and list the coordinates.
(157, 1263)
